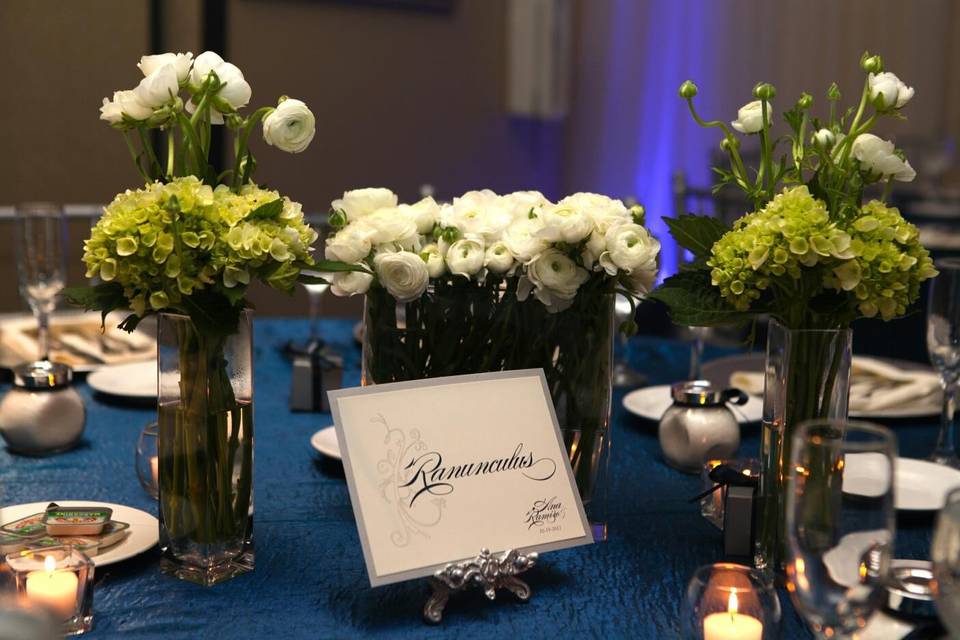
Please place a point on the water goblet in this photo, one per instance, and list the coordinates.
(945, 553)
(39, 236)
(840, 523)
(943, 346)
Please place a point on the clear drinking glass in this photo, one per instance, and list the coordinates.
(840, 523)
(945, 554)
(39, 237)
(623, 374)
(943, 345)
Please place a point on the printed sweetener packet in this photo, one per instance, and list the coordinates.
(31, 525)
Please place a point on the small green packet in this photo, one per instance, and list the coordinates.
(31, 525)
(13, 542)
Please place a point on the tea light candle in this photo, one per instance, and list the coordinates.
(731, 625)
(53, 589)
(155, 469)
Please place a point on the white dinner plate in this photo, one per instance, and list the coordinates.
(325, 442)
(133, 380)
(144, 528)
(652, 402)
(919, 485)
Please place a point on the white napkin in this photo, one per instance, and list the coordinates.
(874, 385)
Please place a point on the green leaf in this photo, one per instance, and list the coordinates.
(268, 211)
(104, 297)
(212, 313)
(697, 234)
(693, 301)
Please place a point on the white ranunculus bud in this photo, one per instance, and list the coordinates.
(824, 138)
(434, 258)
(498, 258)
(124, 102)
(424, 214)
(403, 274)
(360, 203)
(750, 117)
(465, 257)
(887, 90)
(350, 244)
(555, 279)
(158, 88)
(350, 283)
(389, 226)
(564, 223)
(604, 211)
(878, 156)
(290, 127)
(596, 245)
(522, 239)
(629, 247)
(180, 61)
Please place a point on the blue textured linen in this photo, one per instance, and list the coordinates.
(310, 581)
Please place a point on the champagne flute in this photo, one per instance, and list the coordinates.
(39, 236)
(943, 345)
(839, 544)
(945, 554)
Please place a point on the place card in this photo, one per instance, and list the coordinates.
(438, 469)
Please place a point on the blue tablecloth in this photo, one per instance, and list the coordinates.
(310, 580)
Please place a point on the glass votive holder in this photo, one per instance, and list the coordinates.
(712, 504)
(148, 467)
(59, 580)
(728, 601)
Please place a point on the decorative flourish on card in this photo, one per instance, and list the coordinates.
(412, 516)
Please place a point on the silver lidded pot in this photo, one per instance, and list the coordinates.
(42, 413)
(699, 426)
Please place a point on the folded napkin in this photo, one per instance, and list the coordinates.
(874, 385)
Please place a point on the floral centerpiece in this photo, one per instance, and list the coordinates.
(493, 282)
(186, 246)
(812, 256)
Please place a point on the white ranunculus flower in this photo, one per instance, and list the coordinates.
(465, 257)
(403, 274)
(498, 258)
(891, 91)
(523, 240)
(476, 213)
(350, 244)
(519, 203)
(158, 88)
(424, 214)
(350, 283)
(554, 279)
(564, 223)
(389, 226)
(202, 66)
(604, 211)
(596, 245)
(434, 258)
(124, 102)
(360, 203)
(180, 61)
(750, 117)
(824, 138)
(629, 247)
(290, 127)
(235, 92)
(878, 156)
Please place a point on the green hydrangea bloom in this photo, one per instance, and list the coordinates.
(167, 241)
(876, 255)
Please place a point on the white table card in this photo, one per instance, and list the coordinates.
(438, 469)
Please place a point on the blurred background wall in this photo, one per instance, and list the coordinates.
(407, 97)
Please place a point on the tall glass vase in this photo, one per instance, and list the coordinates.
(205, 450)
(807, 378)
(458, 327)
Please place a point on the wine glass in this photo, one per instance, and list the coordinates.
(943, 345)
(623, 374)
(840, 523)
(945, 553)
(40, 235)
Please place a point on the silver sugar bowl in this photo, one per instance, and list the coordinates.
(42, 413)
(699, 426)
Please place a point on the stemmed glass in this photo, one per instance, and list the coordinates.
(40, 235)
(945, 554)
(623, 374)
(943, 345)
(840, 523)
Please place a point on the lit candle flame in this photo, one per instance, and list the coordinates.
(732, 603)
(49, 563)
